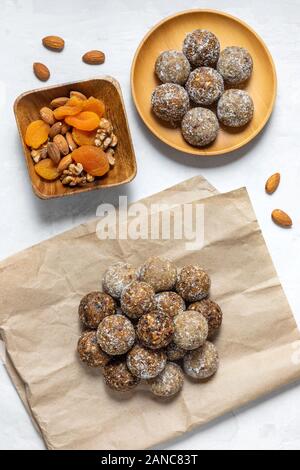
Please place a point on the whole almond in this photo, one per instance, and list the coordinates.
(65, 128)
(72, 145)
(94, 57)
(281, 218)
(272, 183)
(47, 115)
(62, 144)
(41, 71)
(54, 43)
(57, 102)
(55, 129)
(78, 94)
(64, 163)
(53, 152)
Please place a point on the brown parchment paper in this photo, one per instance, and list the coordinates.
(42, 286)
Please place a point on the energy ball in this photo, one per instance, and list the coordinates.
(174, 352)
(169, 303)
(235, 108)
(191, 330)
(203, 362)
(116, 334)
(168, 382)
(235, 64)
(160, 273)
(204, 86)
(212, 312)
(172, 67)
(145, 363)
(136, 299)
(201, 47)
(170, 102)
(94, 307)
(89, 350)
(199, 127)
(193, 283)
(155, 330)
(117, 277)
(118, 377)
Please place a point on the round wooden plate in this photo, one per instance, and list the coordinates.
(169, 34)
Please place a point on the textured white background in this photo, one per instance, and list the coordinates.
(117, 27)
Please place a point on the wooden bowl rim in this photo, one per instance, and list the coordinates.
(192, 150)
(80, 190)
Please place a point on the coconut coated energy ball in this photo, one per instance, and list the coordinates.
(204, 86)
(89, 350)
(201, 47)
(160, 273)
(168, 382)
(118, 377)
(212, 312)
(203, 362)
(199, 127)
(170, 102)
(116, 335)
(235, 108)
(94, 307)
(155, 330)
(169, 303)
(190, 329)
(136, 299)
(145, 363)
(117, 277)
(235, 64)
(172, 67)
(193, 283)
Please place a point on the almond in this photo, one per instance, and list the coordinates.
(53, 152)
(70, 140)
(47, 115)
(55, 129)
(65, 128)
(78, 94)
(62, 144)
(94, 57)
(54, 43)
(272, 183)
(41, 71)
(281, 218)
(57, 102)
(64, 163)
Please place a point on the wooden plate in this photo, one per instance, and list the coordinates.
(27, 108)
(169, 34)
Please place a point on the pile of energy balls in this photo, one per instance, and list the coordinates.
(195, 79)
(150, 325)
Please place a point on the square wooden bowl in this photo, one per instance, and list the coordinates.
(27, 108)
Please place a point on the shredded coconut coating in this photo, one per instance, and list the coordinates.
(170, 102)
(235, 64)
(118, 377)
(174, 352)
(155, 330)
(89, 350)
(172, 67)
(201, 47)
(235, 108)
(200, 127)
(193, 283)
(160, 273)
(137, 299)
(212, 312)
(169, 303)
(191, 330)
(117, 277)
(94, 307)
(204, 86)
(116, 334)
(168, 382)
(202, 363)
(145, 363)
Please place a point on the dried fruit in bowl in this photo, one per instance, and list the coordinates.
(95, 105)
(37, 133)
(47, 169)
(63, 111)
(85, 121)
(93, 159)
(84, 137)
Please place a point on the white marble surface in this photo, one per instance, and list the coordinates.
(117, 27)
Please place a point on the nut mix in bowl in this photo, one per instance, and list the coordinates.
(136, 335)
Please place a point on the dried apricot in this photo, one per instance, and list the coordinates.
(84, 137)
(75, 101)
(37, 133)
(47, 170)
(95, 105)
(66, 110)
(93, 159)
(85, 121)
